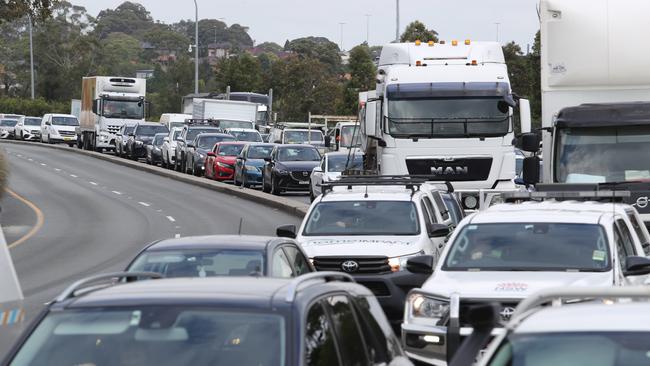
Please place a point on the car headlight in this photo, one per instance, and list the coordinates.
(281, 170)
(399, 263)
(139, 143)
(251, 168)
(424, 307)
(202, 156)
(224, 165)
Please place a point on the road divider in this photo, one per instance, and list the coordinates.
(292, 207)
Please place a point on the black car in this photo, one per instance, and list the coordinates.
(196, 152)
(187, 136)
(142, 135)
(289, 168)
(320, 318)
(154, 150)
(223, 255)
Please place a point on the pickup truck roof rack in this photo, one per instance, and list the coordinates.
(108, 280)
(412, 182)
(603, 196)
(202, 122)
(325, 276)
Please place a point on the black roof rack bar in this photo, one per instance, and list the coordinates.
(412, 185)
(413, 178)
(605, 195)
(78, 285)
(204, 122)
(326, 276)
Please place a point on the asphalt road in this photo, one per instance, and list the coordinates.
(97, 215)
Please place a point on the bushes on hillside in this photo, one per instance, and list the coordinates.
(29, 107)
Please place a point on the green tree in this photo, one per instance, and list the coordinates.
(119, 55)
(11, 10)
(518, 69)
(535, 93)
(362, 68)
(319, 48)
(241, 73)
(271, 47)
(418, 31)
(130, 18)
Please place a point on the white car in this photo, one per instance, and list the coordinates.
(370, 230)
(8, 127)
(509, 251)
(330, 169)
(174, 120)
(59, 128)
(245, 134)
(169, 147)
(28, 128)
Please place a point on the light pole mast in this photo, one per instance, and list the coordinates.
(368, 29)
(497, 24)
(397, 22)
(31, 54)
(196, 48)
(341, 24)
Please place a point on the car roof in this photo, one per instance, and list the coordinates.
(62, 115)
(231, 143)
(370, 193)
(241, 129)
(214, 241)
(581, 318)
(150, 124)
(285, 146)
(203, 127)
(213, 134)
(546, 211)
(345, 153)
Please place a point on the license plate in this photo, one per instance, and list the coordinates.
(67, 138)
(303, 182)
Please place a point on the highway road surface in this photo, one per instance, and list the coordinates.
(67, 216)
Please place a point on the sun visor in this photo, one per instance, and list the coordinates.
(447, 90)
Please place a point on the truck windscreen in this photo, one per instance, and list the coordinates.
(602, 154)
(448, 117)
(129, 109)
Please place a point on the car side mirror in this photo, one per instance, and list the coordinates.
(190, 144)
(530, 142)
(530, 170)
(48, 123)
(636, 266)
(267, 159)
(286, 231)
(437, 230)
(131, 134)
(166, 139)
(318, 169)
(483, 319)
(422, 264)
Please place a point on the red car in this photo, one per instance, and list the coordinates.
(220, 162)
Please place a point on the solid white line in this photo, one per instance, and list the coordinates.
(177, 236)
(171, 219)
(144, 204)
(43, 164)
(116, 192)
(93, 183)
(57, 169)
(73, 176)
(30, 159)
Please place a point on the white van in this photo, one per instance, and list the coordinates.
(59, 128)
(172, 120)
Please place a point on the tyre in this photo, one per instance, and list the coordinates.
(49, 140)
(265, 187)
(234, 178)
(244, 181)
(71, 145)
(275, 190)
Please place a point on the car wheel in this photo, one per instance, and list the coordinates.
(275, 190)
(265, 187)
(49, 139)
(244, 181)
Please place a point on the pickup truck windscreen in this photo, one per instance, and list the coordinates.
(602, 154)
(303, 137)
(529, 246)
(65, 121)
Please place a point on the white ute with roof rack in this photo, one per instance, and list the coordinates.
(507, 252)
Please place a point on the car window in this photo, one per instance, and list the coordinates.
(297, 259)
(280, 265)
(639, 232)
(322, 164)
(429, 206)
(351, 344)
(320, 349)
(444, 212)
(453, 207)
(378, 346)
(427, 217)
(627, 238)
(620, 248)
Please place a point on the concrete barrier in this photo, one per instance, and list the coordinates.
(292, 207)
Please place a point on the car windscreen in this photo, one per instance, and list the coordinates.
(150, 130)
(350, 136)
(230, 150)
(65, 121)
(363, 218)
(193, 132)
(176, 124)
(259, 152)
(158, 140)
(235, 124)
(596, 348)
(128, 130)
(201, 263)
(338, 163)
(8, 122)
(302, 137)
(32, 121)
(156, 336)
(176, 134)
(529, 247)
(251, 136)
(208, 142)
(298, 154)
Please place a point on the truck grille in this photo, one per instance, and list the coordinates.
(458, 170)
(113, 128)
(300, 176)
(364, 265)
(505, 310)
(67, 133)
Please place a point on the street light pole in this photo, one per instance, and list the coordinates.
(368, 29)
(397, 22)
(31, 54)
(196, 48)
(497, 24)
(341, 24)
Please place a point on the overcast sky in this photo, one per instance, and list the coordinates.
(279, 20)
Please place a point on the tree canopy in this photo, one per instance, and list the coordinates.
(418, 31)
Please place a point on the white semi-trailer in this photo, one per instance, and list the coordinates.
(107, 103)
(445, 110)
(595, 98)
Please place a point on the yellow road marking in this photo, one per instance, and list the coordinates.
(39, 219)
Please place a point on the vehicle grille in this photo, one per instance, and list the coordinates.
(467, 169)
(113, 128)
(67, 133)
(300, 176)
(465, 305)
(366, 265)
(378, 288)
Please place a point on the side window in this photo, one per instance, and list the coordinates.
(348, 335)
(320, 349)
(427, 216)
(296, 259)
(639, 232)
(627, 238)
(382, 347)
(429, 206)
(620, 248)
(322, 164)
(444, 212)
(280, 265)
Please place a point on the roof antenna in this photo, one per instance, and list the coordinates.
(366, 195)
(241, 223)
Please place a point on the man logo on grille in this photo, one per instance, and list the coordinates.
(350, 266)
(506, 313)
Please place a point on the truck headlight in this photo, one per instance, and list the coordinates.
(399, 263)
(424, 307)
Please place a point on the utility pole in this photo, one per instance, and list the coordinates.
(196, 48)
(31, 54)
(497, 24)
(397, 22)
(341, 24)
(368, 29)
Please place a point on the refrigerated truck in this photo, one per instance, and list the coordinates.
(445, 110)
(107, 103)
(596, 97)
(229, 113)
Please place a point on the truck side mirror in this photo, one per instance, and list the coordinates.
(530, 142)
(96, 106)
(530, 171)
(524, 115)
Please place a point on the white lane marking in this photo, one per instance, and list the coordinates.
(30, 159)
(73, 176)
(57, 169)
(177, 236)
(117, 192)
(43, 164)
(144, 204)
(93, 183)
(170, 218)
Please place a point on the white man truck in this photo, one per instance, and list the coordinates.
(595, 99)
(107, 103)
(444, 110)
